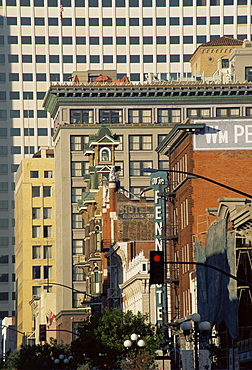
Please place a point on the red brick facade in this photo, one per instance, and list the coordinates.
(193, 196)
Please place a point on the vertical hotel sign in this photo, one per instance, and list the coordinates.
(158, 183)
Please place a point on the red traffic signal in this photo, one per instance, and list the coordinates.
(42, 332)
(156, 267)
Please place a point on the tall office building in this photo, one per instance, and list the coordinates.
(41, 42)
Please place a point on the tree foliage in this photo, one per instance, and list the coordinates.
(102, 337)
(37, 356)
(100, 343)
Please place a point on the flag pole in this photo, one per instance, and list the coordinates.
(61, 10)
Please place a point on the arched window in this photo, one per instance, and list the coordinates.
(105, 155)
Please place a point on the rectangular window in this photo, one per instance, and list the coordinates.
(48, 174)
(29, 132)
(3, 151)
(121, 59)
(188, 21)
(248, 74)
(47, 272)
(161, 40)
(36, 291)
(3, 187)
(35, 213)
(169, 115)
(134, 21)
(13, 77)
(77, 221)
(148, 58)
(147, 3)
(42, 131)
(214, 20)
(121, 21)
(161, 21)
(119, 168)
(81, 59)
(198, 112)
(12, 21)
(40, 59)
(79, 168)
(174, 40)
(140, 142)
(108, 41)
(80, 40)
(95, 59)
(36, 231)
(147, 21)
(78, 246)
(120, 3)
(110, 116)
(39, 40)
(36, 252)
(66, 21)
(47, 191)
(77, 194)
(78, 142)
(134, 3)
(13, 58)
(107, 22)
(137, 166)
(134, 58)
(34, 174)
(241, 19)
(93, 21)
(120, 40)
(80, 22)
(47, 252)
(140, 116)
(81, 116)
(3, 168)
(47, 213)
(47, 231)
(147, 40)
(228, 112)
(78, 274)
(67, 40)
(35, 191)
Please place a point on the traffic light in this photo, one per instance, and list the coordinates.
(156, 267)
(42, 332)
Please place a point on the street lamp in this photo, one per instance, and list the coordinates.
(134, 337)
(204, 327)
(62, 357)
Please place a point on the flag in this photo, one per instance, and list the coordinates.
(61, 11)
(49, 318)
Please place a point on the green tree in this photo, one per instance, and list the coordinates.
(102, 337)
(37, 357)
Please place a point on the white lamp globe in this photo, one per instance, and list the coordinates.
(66, 361)
(186, 326)
(133, 336)
(61, 357)
(204, 326)
(127, 343)
(70, 358)
(56, 361)
(141, 343)
(195, 317)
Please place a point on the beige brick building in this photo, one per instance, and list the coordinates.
(35, 235)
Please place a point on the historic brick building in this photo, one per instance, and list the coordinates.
(114, 225)
(217, 150)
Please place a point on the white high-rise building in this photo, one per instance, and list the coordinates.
(40, 43)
